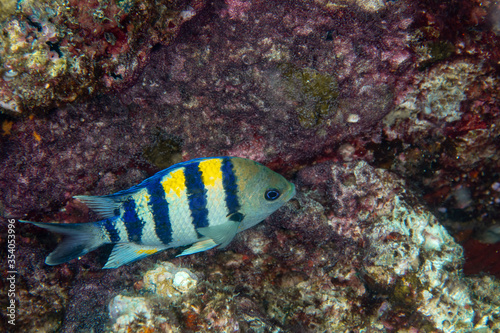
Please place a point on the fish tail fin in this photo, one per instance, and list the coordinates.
(80, 238)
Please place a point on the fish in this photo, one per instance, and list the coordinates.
(201, 203)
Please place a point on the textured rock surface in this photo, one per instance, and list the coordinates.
(443, 134)
(53, 52)
(272, 83)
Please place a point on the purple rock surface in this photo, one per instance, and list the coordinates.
(278, 84)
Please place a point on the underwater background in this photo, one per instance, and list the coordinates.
(384, 114)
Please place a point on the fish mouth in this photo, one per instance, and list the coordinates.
(291, 193)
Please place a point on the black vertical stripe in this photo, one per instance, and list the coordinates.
(133, 223)
(109, 226)
(196, 194)
(158, 206)
(230, 186)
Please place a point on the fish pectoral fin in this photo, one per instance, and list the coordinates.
(200, 246)
(124, 253)
(105, 206)
(221, 234)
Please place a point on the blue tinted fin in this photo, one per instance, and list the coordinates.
(81, 238)
(200, 246)
(125, 253)
(221, 234)
(105, 206)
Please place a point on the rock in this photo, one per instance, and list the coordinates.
(167, 280)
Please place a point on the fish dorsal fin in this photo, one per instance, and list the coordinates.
(125, 253)
(221, 234)
(200, 246)
(105, 206)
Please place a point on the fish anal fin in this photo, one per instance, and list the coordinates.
(124, 253)
(200, 246)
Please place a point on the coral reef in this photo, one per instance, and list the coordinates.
(486, 287)
(53, 52)
(7, 8)
(314, 92)
(443, 131)
(406, 253)
(164, 285)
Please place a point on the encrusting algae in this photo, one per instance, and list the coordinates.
(315, 93)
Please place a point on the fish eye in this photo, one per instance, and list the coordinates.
(272, 194)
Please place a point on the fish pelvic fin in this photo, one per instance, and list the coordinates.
(79, 239)
(221, 234)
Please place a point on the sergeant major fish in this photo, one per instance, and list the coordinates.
(203, 203)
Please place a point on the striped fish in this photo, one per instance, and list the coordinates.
(203, 203)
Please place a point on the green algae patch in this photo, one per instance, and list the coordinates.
(164, 150)
(314, 92)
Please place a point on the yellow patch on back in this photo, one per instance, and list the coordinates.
(174, 182)
(211, 171)
(146, 251)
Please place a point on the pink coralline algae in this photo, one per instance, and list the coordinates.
(53, 52)
(385, 114)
